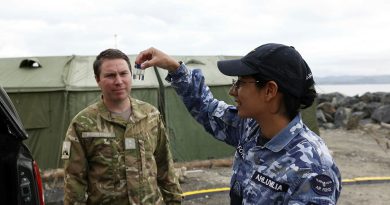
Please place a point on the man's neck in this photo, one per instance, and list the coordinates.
(117, 107)
(125, 115)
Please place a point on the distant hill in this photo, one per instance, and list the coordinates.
(356, 79)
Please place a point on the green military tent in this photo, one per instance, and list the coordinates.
(49, 91)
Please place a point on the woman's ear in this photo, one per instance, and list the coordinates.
(271, 89)
(274, 97)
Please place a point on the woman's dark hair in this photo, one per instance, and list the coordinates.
(109, 54)
(291, 103)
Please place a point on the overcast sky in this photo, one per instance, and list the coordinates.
(336, 37)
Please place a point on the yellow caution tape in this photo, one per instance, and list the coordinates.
(366, 179)
(206, 191)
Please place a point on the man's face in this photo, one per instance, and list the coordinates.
(115, 80)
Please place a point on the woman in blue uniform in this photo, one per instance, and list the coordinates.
(278, 159)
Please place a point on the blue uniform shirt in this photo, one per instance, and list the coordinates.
(294, 167)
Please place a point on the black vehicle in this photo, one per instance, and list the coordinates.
(20, 180)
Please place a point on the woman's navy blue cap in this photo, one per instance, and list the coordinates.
(280, 63)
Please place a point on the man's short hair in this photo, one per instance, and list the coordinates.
(109, 54)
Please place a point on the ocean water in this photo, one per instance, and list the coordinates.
(353, 89)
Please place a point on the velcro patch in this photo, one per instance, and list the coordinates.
(65, 153)
(129, 143)
(322, 185)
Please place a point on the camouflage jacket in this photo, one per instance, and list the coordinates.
(109, 160)
(294, 167)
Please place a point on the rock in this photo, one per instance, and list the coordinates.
(341, 116)
(324, 98)
(349, 101)
(327, 107)
(337, 99)
(372, 106)
(328, 111)
(385, 98)
(334, 98)
(329, 117)
(320, 116)
(360, 106)
(382, 114)
(328, 125)
(353, 121)
(370, 97)
(385, 125)
(368, 108)
(366, 97)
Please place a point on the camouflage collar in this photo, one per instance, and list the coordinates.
(137, 113)
(285, 136)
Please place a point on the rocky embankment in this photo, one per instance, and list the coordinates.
(335, 110)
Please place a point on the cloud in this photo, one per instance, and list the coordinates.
(333, 36)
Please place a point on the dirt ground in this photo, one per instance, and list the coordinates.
(358, 153)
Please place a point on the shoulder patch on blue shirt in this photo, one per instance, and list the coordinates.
(322, 185)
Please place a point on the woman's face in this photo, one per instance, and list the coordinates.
(249, 97)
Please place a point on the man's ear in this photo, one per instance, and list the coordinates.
(97, 78)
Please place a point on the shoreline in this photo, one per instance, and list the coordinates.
(352, 89)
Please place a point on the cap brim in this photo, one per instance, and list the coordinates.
(235, 68)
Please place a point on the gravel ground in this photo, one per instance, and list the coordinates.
(358, 153)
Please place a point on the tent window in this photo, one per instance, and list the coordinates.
(30, 63)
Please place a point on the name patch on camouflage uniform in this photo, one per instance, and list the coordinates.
(260, 178)
(97, 134)
(65, 153)
(322, 185)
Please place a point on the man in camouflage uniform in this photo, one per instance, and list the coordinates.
(278, 159)
(116, 151)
